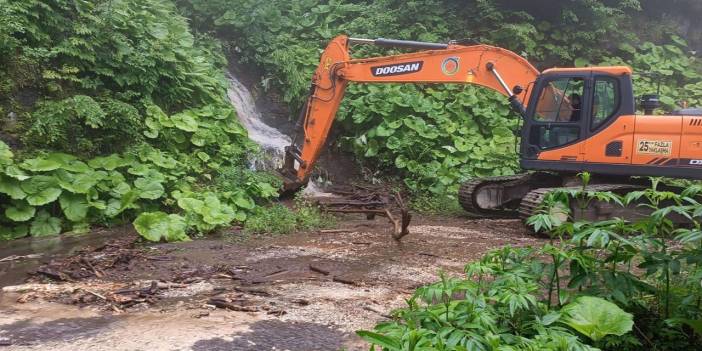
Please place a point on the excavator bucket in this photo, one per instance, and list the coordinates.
(288, 173)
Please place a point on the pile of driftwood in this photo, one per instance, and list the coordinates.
(372, 201)
(93, 261)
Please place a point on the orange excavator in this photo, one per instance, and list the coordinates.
(574, 120)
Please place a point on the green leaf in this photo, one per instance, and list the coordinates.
(75, 207)
(461, 144)
(380, 340)
(11, 187)
(190, 204)
(148, 188)
(161, 159)
(44, 225)
(12, 233)
(15, 172)
(80, 183)
(126, 200)
(20, 212)
(151, 134)
(596, 318)
(244, 201)
(185, 121)
(109, 162)
(383, 131)
(41, 190)
(40, 165)
(155, 226)
(157, 113)
(159, 31)
(203, 156)
(77, 167)
(393, 143)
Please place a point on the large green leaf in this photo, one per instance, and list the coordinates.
(40, 164)
(155, 226)
(215, 213)
(244, 201)
(155, 112)
(44, 224)
(41, 190)
(596, 318)
(75, 206)
(79, 183)
(161, 159)
(126, 200)
(186, 121)
(20, 212)
(15, 172)
(11, 187)
(77, 166)
(190, 204)
(148, 188)
(108, 162)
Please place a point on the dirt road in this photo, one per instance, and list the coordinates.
(301, 292)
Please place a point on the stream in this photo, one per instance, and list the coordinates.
(271, 140)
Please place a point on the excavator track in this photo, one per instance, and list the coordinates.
(532, 202)
(501, 196)
(597, 210)
(468, 191)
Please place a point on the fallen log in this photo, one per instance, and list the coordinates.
(222, 302)
(344, 281)
(19, 257)
(319, 270)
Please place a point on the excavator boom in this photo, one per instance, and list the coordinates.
(488, 66)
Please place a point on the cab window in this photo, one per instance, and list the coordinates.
(560, 101)
(558, 113)
(605, 101)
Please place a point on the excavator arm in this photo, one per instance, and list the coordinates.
(488, 66)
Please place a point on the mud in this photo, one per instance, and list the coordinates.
(44, 249)
(307, 291)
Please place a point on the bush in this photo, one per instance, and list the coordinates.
(128, 116)
(610, 285)
(279, 219)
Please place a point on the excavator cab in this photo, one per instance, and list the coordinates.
(566, 108)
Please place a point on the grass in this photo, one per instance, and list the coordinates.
(433, 204)
(278, 219)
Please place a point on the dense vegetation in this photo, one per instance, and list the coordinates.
(454, 132)
(114, 109)
(611, 285)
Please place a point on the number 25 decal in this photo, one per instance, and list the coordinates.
(655, 147)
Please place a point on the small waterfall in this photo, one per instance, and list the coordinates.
(271, 140)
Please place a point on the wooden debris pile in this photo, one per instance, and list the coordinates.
(372, 201)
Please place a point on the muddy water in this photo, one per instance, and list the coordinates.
(42, 250)
(301, 308)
